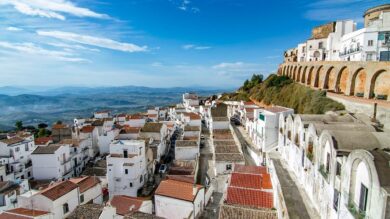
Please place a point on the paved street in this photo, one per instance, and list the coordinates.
(245, 144)
(212, 209)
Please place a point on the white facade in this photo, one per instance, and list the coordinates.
(173, 208)
(15, 155)
(52, 164)
(126, 167)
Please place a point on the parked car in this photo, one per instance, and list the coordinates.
(163, 168)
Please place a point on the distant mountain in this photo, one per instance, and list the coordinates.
(66, 103)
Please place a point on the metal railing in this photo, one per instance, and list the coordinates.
(350, 51)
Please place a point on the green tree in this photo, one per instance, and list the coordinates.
(19, 125)
(42, 133)
(42, 125)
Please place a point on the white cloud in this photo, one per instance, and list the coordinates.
(68, 46)
(94, 41)
(229, 65)
(14, 29)
(157, 64)
(192, 46)
(51, 8)
(30, 48)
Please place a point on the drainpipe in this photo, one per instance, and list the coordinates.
(375, 110)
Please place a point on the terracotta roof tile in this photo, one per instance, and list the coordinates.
(6, 215)
(123, 204)
(58, 190)
(59, 126)
(85, 183)
(87, 129)
(177, 189)
(27, 212)
(193, 116)
(128, 130)
(249, 197)
(13, 140)
(246, 181)
(43, 140)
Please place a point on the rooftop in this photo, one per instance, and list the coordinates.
(193, 116)
(85, 182)
(126, 204)
(152, 127)
(13, 140)
(43, 140)
(227, 149)
(141, 215)
(249, 197)
(177, 189)
(87, 129)
(251, 181)
(59, 189)
(87, 211)
(229, 157)
(191, 128)
(238, 168)
(50, 149)
(17, 213)
(180, 143)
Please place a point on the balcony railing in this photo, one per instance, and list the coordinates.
(350, 51)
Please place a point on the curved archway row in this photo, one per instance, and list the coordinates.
(361, 79)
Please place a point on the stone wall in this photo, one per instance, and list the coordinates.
(323, 31)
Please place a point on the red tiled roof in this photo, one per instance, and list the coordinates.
(267, 183)
(249, 103)
(246, 181)
(134, 116)
(123, 204)
(58, 190)
(87, 129)
(183, 178)
(27, 212)
(86, 182)
(59, 126)
(6, 215)
(128, 129)
(249, 197)
(249, 110)
(193, 116)
(250, 169)
(177, 189)
(42, 140)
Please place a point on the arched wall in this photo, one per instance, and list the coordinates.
(349, 78)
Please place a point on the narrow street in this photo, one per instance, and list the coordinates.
(244, 144)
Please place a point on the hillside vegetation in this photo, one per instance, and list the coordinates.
(282, 91)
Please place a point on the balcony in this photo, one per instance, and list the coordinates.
(355, 211)
(350, 51)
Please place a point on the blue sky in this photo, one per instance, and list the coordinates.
(157, 43)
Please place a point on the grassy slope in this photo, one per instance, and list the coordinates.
(280, 90)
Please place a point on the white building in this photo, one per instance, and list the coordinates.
(339, 162)
(60, 198)
(190, 99)
(15, 155)
(126, 167)
(263, 131)
(90, 189)
(135, 120)
(102, 114)
(186, 150)
(176, 199)
(52, 162)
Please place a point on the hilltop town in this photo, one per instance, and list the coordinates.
(223, 157)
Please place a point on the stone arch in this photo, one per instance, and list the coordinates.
(380, 85)
(310, 76)
(294, 72)
(330, 78)
(342, 80)
(303, 76)
(358, 83)
(360, 161)
(298, 76)
(317, 81)
(289, 71)
(300, 68)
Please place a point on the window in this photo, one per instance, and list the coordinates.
(81, 198)
(140, 179)
(370, 42)
(303, 49)
(131, 184)
(336, 196)
(338, 169)
(26, 147)
(17, 149)
(228, 167)
(327, 162)
(65, 208)
(126, 171)
(369, 57)
(320, 45)
(29, 174)
(363, 197)
(125, 154)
